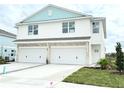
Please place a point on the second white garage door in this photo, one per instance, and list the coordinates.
(33, 55)
(68, 55)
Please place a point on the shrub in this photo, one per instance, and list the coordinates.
(112, 64)
(2, 61)
(104, 64)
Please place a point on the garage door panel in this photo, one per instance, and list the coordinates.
(32, 55)
(68, 55)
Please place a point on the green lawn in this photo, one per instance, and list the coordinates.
(97, 77)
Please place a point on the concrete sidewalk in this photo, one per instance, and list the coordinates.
(45, 84)
(72, 85)
(14, 66)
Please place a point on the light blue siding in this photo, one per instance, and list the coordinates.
(8, 53)
(7, 44)
(6, 41)
(57, 13)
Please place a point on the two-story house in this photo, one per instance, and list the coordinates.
(7, 46)
(61, 36)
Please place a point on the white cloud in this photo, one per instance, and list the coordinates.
(11, 14)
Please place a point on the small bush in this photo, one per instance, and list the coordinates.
(113, 65)
(104, 64)
(2, 61)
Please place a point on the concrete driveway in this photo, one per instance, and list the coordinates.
(16, 66)
(43, 76)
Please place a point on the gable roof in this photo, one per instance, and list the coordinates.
(7, 34)
(58, 13)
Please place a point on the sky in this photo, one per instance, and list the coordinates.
(10, 14)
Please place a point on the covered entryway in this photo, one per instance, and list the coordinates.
(32, 55)
(69, 55)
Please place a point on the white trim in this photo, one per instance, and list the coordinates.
(48, 21)
(52, 41)
(83, 46)
(42, 47)
(96, 43)
(73, 11)
(7, 46)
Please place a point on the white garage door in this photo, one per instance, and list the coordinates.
(33, 55)
(68, 55)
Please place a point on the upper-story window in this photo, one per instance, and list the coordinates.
(35, 29)
(68, 27)
(71, 27)
(96, 27)
(65, 27)
(32, 29)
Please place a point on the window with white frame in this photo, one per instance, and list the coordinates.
(96, 27)
(65, 27)
(35, 29)
(32, 29)
(71, 27)
(68, 27)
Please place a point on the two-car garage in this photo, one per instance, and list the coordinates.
(58, 55)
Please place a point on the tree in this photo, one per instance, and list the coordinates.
(111, 56)
(119, 58)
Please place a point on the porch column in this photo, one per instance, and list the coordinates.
(48, 53)
(102, 50)
(17, 51)
(90, 53)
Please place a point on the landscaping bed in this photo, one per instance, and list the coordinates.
(97, 77)
(2, 61)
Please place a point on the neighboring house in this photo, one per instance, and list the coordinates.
(61, 36)
(7, 46)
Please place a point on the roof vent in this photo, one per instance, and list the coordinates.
(49, 12)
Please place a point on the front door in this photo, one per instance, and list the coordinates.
(95, 53)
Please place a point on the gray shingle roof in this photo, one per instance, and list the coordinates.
(7, 34)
